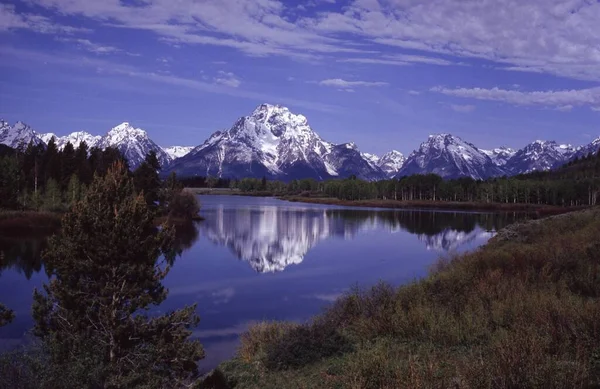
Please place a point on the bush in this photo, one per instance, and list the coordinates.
(184, 205)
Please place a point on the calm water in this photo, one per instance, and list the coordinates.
(264, 259)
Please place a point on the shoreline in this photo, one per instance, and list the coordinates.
(540, 210)
(14, 224)
(475, 318)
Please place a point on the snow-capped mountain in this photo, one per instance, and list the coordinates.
(75, 138)
(175, 152)
(18, 135)
(500, 155)
(133, 143)
(539, 156)
(47, 136)
(275, 143)
(592, 147)
(347, 160)
(449, 157)
(391, 163)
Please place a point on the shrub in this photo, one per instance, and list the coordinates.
(184, 205)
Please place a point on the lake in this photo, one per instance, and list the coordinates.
(256, 258)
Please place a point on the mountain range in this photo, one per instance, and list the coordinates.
(275, 143)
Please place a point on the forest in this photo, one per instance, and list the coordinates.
(575, 184)
(44, 178)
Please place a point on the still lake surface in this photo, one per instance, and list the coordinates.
(265, 259)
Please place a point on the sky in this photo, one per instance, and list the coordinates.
(384, 74)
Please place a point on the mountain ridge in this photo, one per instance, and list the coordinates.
(275, 143)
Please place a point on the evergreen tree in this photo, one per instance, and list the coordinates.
(51, 162)
(146, 179)
(10, 180)
(68, 164)
(82, 162)
(108, 272)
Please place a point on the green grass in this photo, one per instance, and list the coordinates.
(522, 312)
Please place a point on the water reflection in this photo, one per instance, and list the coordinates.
(22, 255)
(270, 238)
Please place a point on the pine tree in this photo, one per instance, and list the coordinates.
(68, 164)
(51, 162)
(146, 179)
(108, 272)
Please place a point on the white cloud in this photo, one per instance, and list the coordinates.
(565, 108)
(10, 20)
(551, 36)
(414, 92)
(559, 99)
(92, 47)
(462, 108)
(595, 109)
(340, 83)
(401, 60)
(228, 79)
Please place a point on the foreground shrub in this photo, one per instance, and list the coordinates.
(184, 205)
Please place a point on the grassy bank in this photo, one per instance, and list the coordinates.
(543, 210)
(521, 312)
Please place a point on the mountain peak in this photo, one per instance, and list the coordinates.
(274, 114)
(449, 157)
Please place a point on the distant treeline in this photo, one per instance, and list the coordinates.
(43, 178)
(576, 183)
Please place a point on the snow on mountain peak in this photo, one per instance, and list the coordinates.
(18, 135)
(175, 152)
(133, 143)
(450, 157)
(276, 143)
(539, 156)
(391, 163)
(500, 155)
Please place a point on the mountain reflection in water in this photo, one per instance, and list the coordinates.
(270, 238)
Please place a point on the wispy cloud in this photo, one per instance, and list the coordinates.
(341, 83)
(564, 99)
(401, 60)
(228, 79)
(106, 68)
(11, 20)
(562, 39)
(462, 108)
(93, 47)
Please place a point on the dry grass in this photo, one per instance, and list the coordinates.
(519, 313)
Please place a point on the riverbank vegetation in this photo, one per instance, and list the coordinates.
(93, 324)
(575, 184)
(521, 312)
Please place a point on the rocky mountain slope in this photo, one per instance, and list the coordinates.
(449, 157)
(275, 143)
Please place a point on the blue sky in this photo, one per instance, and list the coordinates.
(382, 73)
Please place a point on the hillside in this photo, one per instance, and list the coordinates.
(521, 312)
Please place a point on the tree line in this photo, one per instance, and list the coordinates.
(44, 178)
(575, 184)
